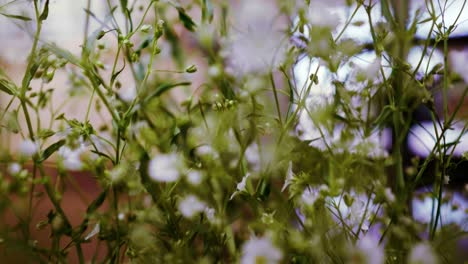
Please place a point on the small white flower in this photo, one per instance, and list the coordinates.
(322, 15)
(191, 205)
(260, 250)
(422, 254)
(28, 148)
(214, 71)
(310, 195)
(14, 168)
(71, 158)
(368, 250)
(256, 51)
(458, 59)
(163, 168)
(241, 186)
(194, 177)
(121, 216)
(371, 72)
(210, 213)
(446, 179)
(389, 195)
(252, 156)
(128, 94)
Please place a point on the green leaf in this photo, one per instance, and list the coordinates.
(51, 149)
(163, 88)
(45, 12)
(207, 11)
(24, 18)
(64, 54)
(7, 86)
(45, 133)
(186, 19)
(97, 202)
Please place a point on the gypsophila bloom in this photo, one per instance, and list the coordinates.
(322, 15)
(422, 254)
(71, 158)
(128, 94)
(241, 186)
(28, 148)
(310, 195)
(14, 168)
(458, 59)
(194, 177)
(163, 168)
(389, 195)
(210, 213)
(190, 206)
(368, 251)
(260, 250)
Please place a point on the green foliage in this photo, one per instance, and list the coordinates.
(208, 149)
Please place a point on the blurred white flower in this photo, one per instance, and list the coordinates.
(359, 213)
(241, 186)
(190, 206)
(258, 50)
(71, 158)
(422, 254)
(310, 195)
(163, 168)
(194, 177)
(210, 213)
(14, 168)
(459, 59)
(368, 251)
(323, 15)
(127, 94)
(389, 195)
(28, 148)
(252, 156)
(260, 250)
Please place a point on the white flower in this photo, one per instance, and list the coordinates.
(371, 72)
(458, 59)
(422, 254)
(71, 158)
(252, 156)
(260, 250)
(241, 186)
(163, 168)
(361, 210)
(258, 50)
(28, 148)
(389, 195)
(128, 94)
(310, 195)
(194, 177)
(14, 168)
(368, 250)
(210, 213)
(446, 179)
(190, 206)
(322, 15)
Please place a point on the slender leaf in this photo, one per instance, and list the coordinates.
(51, 149)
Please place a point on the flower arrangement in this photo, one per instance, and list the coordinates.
(234, 131)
